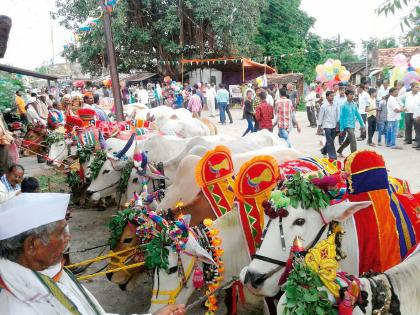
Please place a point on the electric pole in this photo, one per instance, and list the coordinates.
(339, 47)
(112, 62)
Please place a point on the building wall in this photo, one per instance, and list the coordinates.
(206, 75)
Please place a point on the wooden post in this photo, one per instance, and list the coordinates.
(243, 71)
(112, 62)
(182, 72)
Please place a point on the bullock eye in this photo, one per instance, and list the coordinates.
(135, 180)
(61, 144)
(299, 222)
(105, 172)
(127, 240)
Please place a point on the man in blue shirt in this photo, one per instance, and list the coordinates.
(348, 115)
(222, 98)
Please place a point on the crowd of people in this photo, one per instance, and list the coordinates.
(387, 111)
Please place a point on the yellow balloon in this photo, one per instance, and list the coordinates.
(337, 63)
(319, 69)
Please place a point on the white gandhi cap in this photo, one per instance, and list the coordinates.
(29, 211)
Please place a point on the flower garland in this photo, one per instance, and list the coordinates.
(214, 274)
(117, 224)
(98, 162)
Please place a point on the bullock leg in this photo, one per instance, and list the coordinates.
(229, 301)
(102, 204)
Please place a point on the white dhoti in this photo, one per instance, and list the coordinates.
(211, 106)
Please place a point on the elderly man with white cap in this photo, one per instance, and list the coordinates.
(32, 113)
(32, 278)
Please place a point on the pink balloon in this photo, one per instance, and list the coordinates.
(410, 77)
(400, 60)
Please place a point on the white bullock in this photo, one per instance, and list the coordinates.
(59, 151)
(235, 257)
(306, 223)
(184, 187)
(401, 280)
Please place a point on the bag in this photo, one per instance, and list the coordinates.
(14, 153)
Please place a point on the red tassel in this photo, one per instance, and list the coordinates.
(198, 278)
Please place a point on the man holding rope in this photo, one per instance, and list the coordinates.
(33, 236)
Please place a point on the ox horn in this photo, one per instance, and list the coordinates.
(102, 141)
(128, 145)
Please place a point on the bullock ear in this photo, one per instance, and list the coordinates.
(194, 249)
(153, 173)
(343, 210)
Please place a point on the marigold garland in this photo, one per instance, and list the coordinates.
(218, 271)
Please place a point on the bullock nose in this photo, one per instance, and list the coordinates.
(254, 279)
(89, 193)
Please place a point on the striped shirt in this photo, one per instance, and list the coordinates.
(8, 186)
(285, 110)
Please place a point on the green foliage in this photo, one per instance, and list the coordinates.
(73, 179)
(411, 20)
(54, 137)
(85, 153)
(301, 191)
(117, 224)
(284, 30)
(125, 176)
(98, 162)
(303, 294)
(157, 255)
(346, 49)
(9, 84)
(145, 31)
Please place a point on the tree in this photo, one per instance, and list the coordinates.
(283, 32)
(9, 84)
(153, 35)
(345, 51)
(411, 20)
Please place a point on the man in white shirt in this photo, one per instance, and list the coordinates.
(339, 100)
(383, 90)
(329, 115)
(310, 99)
(33, 236)
(412, 99)
(393, 117)
(211, 99)
(143, 96)
(363, 103)
(269, 99)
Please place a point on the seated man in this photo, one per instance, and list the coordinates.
(10, 182)
(32, 278)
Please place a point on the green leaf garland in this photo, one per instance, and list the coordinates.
(73, 179)
(303, 293)
(117, 224)
(85, 153)
(301, 191)
(98, 162)
(54, 137)
(125, 176)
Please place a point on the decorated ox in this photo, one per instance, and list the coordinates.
(175, 283)
(34, 142)
(185, 177)
(376, 238)
(392, 292)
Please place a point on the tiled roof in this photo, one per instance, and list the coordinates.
(386, 56)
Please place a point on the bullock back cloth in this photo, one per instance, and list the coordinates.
(388, 229)
(254, 183)
(214, 175)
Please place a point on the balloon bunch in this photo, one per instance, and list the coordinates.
(332, 71)
(405, 70)
(107, 82)
(218, 270)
